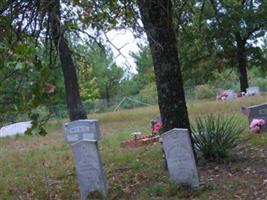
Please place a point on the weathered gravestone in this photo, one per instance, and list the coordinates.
(180, 158)
(83, 136)
(256, 112)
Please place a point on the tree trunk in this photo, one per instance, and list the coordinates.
(157, 19)
(75, 107)
(242, 62)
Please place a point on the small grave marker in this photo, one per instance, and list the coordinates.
(180, 158)
(83, 136)
(136, 134)
(256, 112)
(231, 94)
(253, 91)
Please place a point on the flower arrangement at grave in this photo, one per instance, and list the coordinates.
(156, 126)
(222, 95)
(256, 125)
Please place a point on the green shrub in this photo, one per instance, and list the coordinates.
(205, 91)
(190, 92)
(149, 94)
(216, 136)
(260, 82)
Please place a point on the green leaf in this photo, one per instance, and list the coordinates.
(42, 131)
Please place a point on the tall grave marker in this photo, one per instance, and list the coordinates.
(83, 136)
(180, 158)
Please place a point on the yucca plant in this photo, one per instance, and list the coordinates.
(215, 136)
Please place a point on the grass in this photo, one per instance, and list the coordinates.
(35, 167)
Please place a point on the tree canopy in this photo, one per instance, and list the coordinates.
(235, 27)
(64, 45)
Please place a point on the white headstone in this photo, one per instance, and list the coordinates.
(180, 158)
(15, 129)
(231, 94)
(253, 91)
(83, 136)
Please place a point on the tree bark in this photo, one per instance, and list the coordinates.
(75, 107)
(157, 19)
(242, 62)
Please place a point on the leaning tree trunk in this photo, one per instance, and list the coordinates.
(74, 103)
(242, 63)
(157, 19)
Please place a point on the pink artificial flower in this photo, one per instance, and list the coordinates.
(256, 129)
(156, 127)
(256, 125)
(224, 94)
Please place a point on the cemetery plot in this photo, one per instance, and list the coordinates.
(131, 174)
(139, 141)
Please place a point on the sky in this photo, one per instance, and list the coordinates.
(125, 40)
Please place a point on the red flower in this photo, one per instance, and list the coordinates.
(156, 127)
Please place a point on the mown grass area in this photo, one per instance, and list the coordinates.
(42, 167)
